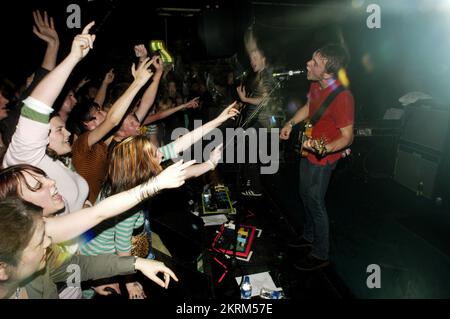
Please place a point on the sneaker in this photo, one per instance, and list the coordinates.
(311, 263)
(251, 193)
(299, 242)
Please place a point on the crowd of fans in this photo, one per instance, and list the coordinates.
(78, 159)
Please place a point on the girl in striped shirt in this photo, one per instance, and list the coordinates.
(132, 161)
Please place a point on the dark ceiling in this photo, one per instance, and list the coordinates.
(410, 51)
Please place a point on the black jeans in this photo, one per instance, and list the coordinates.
(314, 180)
(250, 173)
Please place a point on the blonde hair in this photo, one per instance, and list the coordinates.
(132, 162)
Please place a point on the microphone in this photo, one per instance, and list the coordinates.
(288, 73)
(242, 75)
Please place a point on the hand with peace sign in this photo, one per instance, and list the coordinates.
(83, 42)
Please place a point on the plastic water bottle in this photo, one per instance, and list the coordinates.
(246, 288)
(267, 293)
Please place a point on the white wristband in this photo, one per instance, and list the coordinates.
(213, 167)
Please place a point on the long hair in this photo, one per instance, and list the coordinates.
(11, 179)
(17, 226)
(132, 162)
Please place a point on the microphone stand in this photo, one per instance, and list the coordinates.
(261, 104)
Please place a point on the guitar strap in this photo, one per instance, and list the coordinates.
(325, 104)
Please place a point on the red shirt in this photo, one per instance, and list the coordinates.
(340, 113)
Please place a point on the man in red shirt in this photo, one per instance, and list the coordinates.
(336, 127)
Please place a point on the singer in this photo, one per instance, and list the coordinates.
(331, 107)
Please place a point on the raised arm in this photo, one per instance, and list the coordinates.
(200, 169)
(101, 93)
(65, 227)
(119, 108)
(105, 266)
(185, 141)
(149, 96)
(163, 114)
(44, 29)
(249, 100)
(51, 85)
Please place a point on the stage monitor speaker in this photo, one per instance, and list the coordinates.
(426, 126)
(413, 167)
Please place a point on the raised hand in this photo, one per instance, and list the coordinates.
(241, 92)
(216, 154)
(174, 175)
(44, 28)
(83, 42)
(158, 64)
(229, 112)
(141, 52)
(82, 83)
(192, 103)
(150, 268)
(142, 74)
(109, 77)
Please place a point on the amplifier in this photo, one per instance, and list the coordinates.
(417, 170)
(378, 128)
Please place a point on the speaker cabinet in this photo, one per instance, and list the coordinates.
(426, 127)
(413, 167)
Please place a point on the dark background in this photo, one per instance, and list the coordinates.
(410, 52)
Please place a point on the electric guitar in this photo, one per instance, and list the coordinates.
(246, 120)
(318, 144)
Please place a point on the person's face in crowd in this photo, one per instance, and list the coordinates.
(44, 193)
(257, 60)
(34, 256)
(96, 116)
(59, 136)
(130, 126)
(316, 67)
(3, 110)
(69, 102)
(172, 89)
